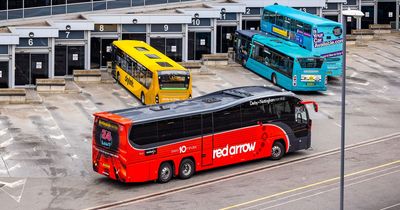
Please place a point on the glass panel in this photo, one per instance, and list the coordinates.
(106, 55)
(15, 4)
(170, 129)
(118, 4)
(137, 2)
(14, 14)
(172, 1)
(79, 7)
(39, 66)
(3, 49)
(60, 65)
(192, 126)
(3, 4)
(77, 1)
(22, 67)
(58, 2)
(36, 3)
(231, 115)
(37, 12)
(76, 58)
(191, 45)
(173, 80)
(174, 49)
(158, 43)
(134, 28)
(166, 28)
(207, 124)
(311, 62)
(3, 15)
(148, 2)
(225, 38)
(140, 37)
(59, 10)
(95, 53)
(4, 74)
(99, 5)
(203, 44)
(144, 134)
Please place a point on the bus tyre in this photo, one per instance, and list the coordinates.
(273, 78)
(277, 151)
(186, 169)
(142, 99)
(165, 172)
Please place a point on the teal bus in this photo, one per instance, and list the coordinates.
(284, 63)
(319, 35)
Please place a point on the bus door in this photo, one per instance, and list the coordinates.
(207, 142)
(301, 126)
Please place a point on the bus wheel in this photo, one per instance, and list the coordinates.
(273, 78)
(142, 99)
(186, 169)
(165, 172)
(277, 151)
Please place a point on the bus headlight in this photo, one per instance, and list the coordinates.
(157, 99)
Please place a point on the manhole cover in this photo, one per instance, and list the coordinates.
(99, 103)
(52, 107)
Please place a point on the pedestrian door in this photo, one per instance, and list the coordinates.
(101, 52)
(29, 67)
(69, 58)
(4, 74)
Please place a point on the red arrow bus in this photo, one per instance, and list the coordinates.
(177, 139)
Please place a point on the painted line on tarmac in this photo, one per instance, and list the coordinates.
(391, 207)
(245, 173)
(333, 189)
(257, 206)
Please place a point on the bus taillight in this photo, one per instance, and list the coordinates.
(295, 80)
(326, 80)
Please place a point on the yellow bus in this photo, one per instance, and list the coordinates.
(148, 74)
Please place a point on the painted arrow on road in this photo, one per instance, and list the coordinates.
(13, 189)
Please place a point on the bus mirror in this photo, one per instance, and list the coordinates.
(311, 102)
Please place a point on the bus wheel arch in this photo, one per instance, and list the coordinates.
(278, 149)
(274, 79)
(118, 76)
(165, 171)
(187, 167)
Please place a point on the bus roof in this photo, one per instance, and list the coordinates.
(250, 33)
(286, 47)
(140, 50)
(203, 104)
(301, 16)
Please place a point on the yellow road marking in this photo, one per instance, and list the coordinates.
(311, 185)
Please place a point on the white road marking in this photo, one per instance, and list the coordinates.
(132, 104)
(50, 127)
(225, 84)
(67, 145)
(375, 118)
(359, 83)
(57, 137)
(9, 155)
(6, 143)
(216, 78)
(353, 74)
(3, 131)
(74, 156)
(18, 183)
(337, 124)
(391, 207)
(388, 71)
(90, 108)
(329, 93)
(124, 97)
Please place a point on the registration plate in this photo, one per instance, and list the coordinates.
(310, 84)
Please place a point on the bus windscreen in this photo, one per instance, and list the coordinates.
(311, 62)
(173, 80)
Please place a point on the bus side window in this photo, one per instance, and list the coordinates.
(227, 119)
(143, 134)
(149, 78)
(301, 114)
(283, 110)
(207, 124)
(192, 126)
(170, 129)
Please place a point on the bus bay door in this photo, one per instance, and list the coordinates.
(207, 142)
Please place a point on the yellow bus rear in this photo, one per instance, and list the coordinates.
(148, 74)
